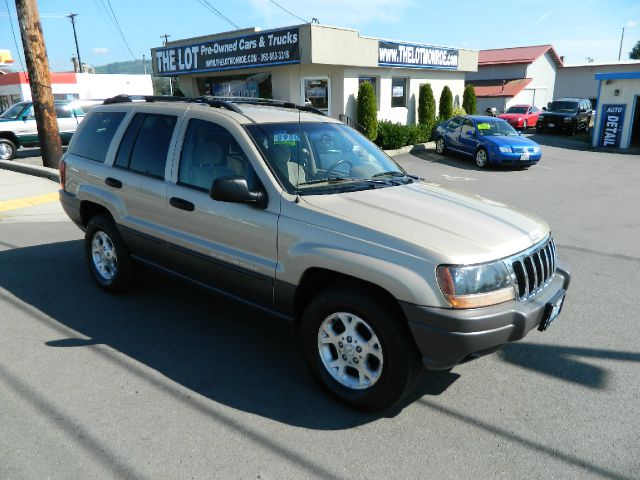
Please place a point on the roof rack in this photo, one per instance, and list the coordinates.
(229, 103)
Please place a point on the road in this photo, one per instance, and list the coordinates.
(174, 382)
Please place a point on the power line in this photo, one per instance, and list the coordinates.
(287, 11)
(207, 5)
(117, 24)
(15, 40)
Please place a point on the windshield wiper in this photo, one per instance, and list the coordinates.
(390, 173)
(327, 180)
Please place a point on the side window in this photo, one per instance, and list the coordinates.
(28, 113)
(454, 123)
(96, 135)
(145, 145)
(467, 126)
(63, 112)
(209, 152)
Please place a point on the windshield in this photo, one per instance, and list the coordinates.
(309, 156)
(14, 112)
(570, 107)
(517, 110)
(495, 128)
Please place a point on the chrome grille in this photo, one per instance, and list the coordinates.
(533, 269)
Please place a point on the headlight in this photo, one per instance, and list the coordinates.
(568, 119)
(476, 285)
(505, 149)
(519, 119)
(536, 149)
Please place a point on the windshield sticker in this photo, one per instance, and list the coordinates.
(484, 126)
(284, 138)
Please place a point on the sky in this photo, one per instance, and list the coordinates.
(578, 29)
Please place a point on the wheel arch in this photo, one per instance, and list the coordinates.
(317, 279)
(89, 209)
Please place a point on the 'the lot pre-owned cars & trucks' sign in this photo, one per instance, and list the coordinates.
(273, 47)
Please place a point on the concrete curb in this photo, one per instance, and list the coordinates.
(418, 147)
(35, 170)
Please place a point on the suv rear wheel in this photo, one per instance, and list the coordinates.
(7, 149)
(108, 258)
(358, 349)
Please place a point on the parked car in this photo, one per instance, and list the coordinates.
(18, 125)
(487, 140)
(566, 114)
(521, 116)
(299, 215)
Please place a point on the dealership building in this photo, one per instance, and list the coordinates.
(320, 65)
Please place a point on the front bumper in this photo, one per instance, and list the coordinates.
(448, 337)
(502, 158)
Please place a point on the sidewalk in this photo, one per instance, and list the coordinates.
(28, 161)
(27, 198)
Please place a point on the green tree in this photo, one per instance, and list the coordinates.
(446, 104)
(426, 105)
(368, 110)
(469, 100)
(634, 54)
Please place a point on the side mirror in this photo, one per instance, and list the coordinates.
(544, 109)
(469, 133)
(236, 190)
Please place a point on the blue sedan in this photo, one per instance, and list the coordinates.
(487, 140)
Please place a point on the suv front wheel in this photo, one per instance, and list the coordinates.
(108, 258)
(358, 349)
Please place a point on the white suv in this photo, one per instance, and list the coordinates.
(299, 215)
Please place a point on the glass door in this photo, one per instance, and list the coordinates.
(316, 92)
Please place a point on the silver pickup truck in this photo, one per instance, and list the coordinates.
(297, 214)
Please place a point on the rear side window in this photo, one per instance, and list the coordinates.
(96, 135)
(145, 145)
(63, 111)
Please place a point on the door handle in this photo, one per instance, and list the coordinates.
(182, 204)
(112, 182)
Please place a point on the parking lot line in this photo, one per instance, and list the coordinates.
(25, 202)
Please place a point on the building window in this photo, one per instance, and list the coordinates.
(399, 92)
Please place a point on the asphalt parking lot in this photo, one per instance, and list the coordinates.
(174, 382)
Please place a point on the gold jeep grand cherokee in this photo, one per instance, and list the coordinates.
(278, 206)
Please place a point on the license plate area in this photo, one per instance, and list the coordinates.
(551, 125)
(551, 310)
(524, 156)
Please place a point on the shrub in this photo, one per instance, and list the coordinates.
(446, 104)
(458, 111)
(392, 136)
(368, 110)
(426, 110)
(469, 99)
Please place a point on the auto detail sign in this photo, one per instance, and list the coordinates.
(274, 47)
(613, 118)
(392, 54)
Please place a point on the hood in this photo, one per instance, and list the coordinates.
(452, 226)
(512, 116)
(512, 141)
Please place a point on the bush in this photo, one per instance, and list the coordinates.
(426, 110)
(457, 111)
(445, 110)
(392, 136)
(469, 100)
(368, 110)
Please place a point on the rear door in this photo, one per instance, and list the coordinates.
(452, 132)
(228, 246)
(138, 180)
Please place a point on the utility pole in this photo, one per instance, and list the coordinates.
(166, 40)
(73, 16)
(144, 63)
(621, 39)
(35, 53)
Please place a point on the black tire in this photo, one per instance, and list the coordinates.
(481, 157)
(117, 276)
(539, 128)
(441, 147)
(7, 149)
(399, 367)
(574, 128)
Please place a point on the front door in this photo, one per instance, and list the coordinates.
(228, 246)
